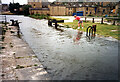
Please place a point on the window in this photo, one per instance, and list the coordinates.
(102, 4)
(87, 8)
(34, 5)
(90, 12)
(86, 12)
(103, 10)
(98, 3)
(68, 13)
(113, 7)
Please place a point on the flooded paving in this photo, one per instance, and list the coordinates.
(67, 59)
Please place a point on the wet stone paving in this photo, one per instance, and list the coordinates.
(66, 59)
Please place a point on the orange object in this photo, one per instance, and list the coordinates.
(113, 10)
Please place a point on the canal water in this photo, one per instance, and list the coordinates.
(67, 59)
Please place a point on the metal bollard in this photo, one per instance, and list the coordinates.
(49, 22)
(113, 22)
(56, 25)
(91, 29)
(93, 20)
(87, 31)
(102, 21)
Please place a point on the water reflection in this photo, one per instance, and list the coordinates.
(77, 37)
(90, 38)
(81, 36)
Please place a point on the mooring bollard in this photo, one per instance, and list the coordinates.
(12, 22)
(50, 21)
(93, 20)
(56, 25)
(113, 22)
(16, 23)
(102, 21)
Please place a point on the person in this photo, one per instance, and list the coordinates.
(79, 21)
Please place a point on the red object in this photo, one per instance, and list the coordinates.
(77, 38)
(77, 18)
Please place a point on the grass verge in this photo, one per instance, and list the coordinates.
(102, 29)
(38, 16)
(58, 18)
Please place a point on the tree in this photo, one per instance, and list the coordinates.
(26, 9)
(14, 7)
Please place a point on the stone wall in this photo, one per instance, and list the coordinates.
(57, 10)
(45, 12)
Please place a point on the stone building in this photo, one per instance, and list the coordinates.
(38, 7)
(35, 3)
(57, 10)
(84, 9)
(44, 11)
(70, 10)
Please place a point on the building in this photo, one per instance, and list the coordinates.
(57, 10)
(44, 11)
(5, 7)
(70, 10)
(73, 8)
(67, 0)
(39, 7)
(35, 3)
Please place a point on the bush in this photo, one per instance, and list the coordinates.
(38, 16)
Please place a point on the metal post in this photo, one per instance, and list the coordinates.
(113, 22)
(49, 22)
(94, 29)
(87, 30)
(56, 25)
(102, 21)
(93, 20)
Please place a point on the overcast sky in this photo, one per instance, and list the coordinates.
(19, 1)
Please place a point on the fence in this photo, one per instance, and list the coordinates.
(113, 20)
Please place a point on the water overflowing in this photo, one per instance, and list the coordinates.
(94, 59)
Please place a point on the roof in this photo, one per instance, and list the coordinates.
(39, 9)
(4, 4)
(56, 5)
